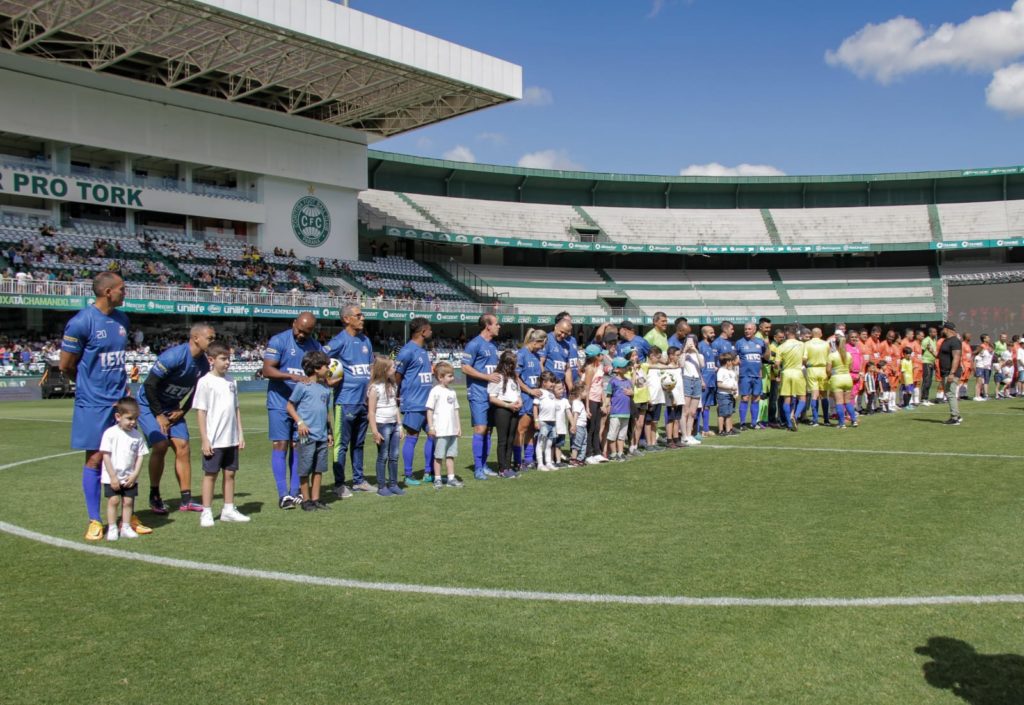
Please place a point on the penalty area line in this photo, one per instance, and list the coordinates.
(865, 451)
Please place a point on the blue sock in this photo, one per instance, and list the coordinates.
(743, 411)
(487, 450)
(279, 466)
(707, 418)
(824, 408)
(409, 453)
(478, 450)
(801, 404)
(786, 408)
(530, 454)
(517, 454)
(841, 413)
(295, 473)
(814, 413)
(851, 411)
(428, 456)
(91, 489)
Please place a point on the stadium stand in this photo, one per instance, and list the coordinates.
(524, 220)
(722, 294)
(877, 224)
(395, 276)
(860, 292)
(966, 221)
(548, 290)
(384, 209)
(681, 226)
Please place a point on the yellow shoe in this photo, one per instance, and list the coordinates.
(139, 527)
(94, 532)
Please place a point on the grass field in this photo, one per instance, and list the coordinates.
(901, 507)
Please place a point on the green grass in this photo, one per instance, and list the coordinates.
(768, 521)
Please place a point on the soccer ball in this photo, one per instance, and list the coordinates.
(668, 382)
(336, 368)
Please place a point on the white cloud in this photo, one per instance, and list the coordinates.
(460, 153)
(549, 159)
(656, 7)
(716, 169)
(902, 45)
(537, 97)
(491, 138)
(1006, 91)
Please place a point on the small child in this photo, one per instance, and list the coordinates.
(871, 388)
(982, 370)
(220, 427)
(309, 406)
(728, 387)
(674, 399)
(1007, 374)
(619, 392)
(123, 449)
(641, 401)
(656, 398)
(578, 427)
(545, 410)
(382, 413)
(444, 424)
(561, 424)
(907, 377)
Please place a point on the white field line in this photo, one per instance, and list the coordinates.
(866, 451)
(524, 595)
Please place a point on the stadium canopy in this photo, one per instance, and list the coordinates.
(309, 58)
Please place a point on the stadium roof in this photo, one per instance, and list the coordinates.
(309, 58)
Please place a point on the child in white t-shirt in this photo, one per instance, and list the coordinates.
(578, 427)
(123, 448)
(220, 428)
(545, 410)
(384, 421)
(728, 387)
(562, 422)
(444, 424)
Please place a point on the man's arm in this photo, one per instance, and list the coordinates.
(69, 364)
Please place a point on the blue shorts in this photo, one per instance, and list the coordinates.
(281, 426)
(691, 387)
(707, 397)
(151, 429)
(480, 413)
(751, 386)
(726, 405)
(414, 421)
(673, 413)
(88, 424)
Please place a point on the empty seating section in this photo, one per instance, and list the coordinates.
(682, 226)
(397, 276)
(543, 291)
(877, 224)
(968, 221)
(736, 294)
(535, 221)
(878, 291)
(386, 209)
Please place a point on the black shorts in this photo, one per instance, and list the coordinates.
(132, 491)
(222, 459)
(654, 412)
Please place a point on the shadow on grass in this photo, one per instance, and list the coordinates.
(938, 421)
(251, 508)
(979, 679)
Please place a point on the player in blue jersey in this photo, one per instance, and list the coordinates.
(753, 353)
(710, 375)
(723, 343)
(165, 398)
(415, 378)
(92, 354)
(353, 349)
(282, 368)
(479, 362)
(557, 354)
(627, 332)
(678, 339)
(528, 369)
(574, 350)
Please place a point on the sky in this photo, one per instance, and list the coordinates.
(727, 87)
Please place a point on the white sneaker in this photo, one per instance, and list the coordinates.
(233, 514)
(926, 403)
(543, 468)
(691, 441)
(112, 533)
(127, 532)
(206, 519)
(592, 460)
(979, 399)
(602, 459)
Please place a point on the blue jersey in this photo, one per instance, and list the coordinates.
(356, 356)
(723, 345)
(642, 347)
(311, 403)
(528, 368)
(287, 353)
(675, 342)
(413, 363)
(557, 356)
(751, 352)
(177, 372)
(99, 340)
(710, 371)
(482, 356)
(574, 358)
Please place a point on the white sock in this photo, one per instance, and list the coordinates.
(451, 476)
(228, 507)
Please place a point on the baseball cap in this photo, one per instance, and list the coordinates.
(611, 337)
(950, 325)
(620, 362)
(628, 325)
(592, 350)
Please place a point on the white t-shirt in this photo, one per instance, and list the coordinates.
(654, 386)
(218, 397)
(445, 404)
(727, 380)
(983, 360)
(579, 410)
(124, 448)
(546, 406)
(678, 397)
(508, 393)
(561, 418)
(387, 405)
(692, 364)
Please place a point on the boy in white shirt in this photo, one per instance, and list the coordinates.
(220, 428)
(123, 448)
(578, 428)
(562, 421)
(728, 386)
(444, 423)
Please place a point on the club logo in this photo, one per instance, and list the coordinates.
(311, 221)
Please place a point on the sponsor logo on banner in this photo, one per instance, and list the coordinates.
(477, 240)
(213, 308)
(311, 221)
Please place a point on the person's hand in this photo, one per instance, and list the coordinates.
(207, 449)
(517, 405)
(241, 443)
(114, 483)
(377, 438)
(303, 430)
(165, 424)
(431, 433)
(495, 377)
(535, 393)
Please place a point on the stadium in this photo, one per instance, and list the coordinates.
(217, 155)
